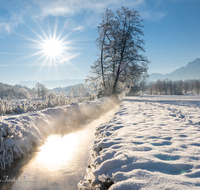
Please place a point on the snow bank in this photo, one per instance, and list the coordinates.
(152, 142)
(20, 133)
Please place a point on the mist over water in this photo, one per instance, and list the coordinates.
(61, 162)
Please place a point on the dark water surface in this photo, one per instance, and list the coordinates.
(57, 165)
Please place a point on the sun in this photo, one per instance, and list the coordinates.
(53, 48)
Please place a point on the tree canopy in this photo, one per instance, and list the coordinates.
(120, 42)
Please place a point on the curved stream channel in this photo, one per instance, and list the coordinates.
(59, 164)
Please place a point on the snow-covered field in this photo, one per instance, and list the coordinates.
(152, 142)
(20, 133)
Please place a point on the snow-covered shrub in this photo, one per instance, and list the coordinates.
(6, 151)
(103, 182)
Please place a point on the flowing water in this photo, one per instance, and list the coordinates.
(58, 165)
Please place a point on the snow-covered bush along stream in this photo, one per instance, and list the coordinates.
(20, 133)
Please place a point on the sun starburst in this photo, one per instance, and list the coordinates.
(51, 48)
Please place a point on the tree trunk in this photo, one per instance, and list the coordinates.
(102, 70)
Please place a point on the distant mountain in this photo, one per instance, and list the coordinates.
(190, 71)
(29, 84)
(50, 84)
(59, 89)
(67, 89)
(61, 83)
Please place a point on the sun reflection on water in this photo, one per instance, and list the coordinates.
(61, 161)
(58, 150)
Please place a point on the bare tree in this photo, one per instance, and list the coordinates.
(170, 84)
(41, 90)
(81, 91)
(120, 44)
(73, 92)
(33, 92)
(150, 88)
(63, 93)
(159, 86)
(180, 87)
(185, 87)
(165, 86)
(2, 91)
(37, 87)
(197, 86)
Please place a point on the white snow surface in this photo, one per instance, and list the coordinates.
(20, 133)
(152, 142)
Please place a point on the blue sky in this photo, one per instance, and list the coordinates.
(171, 29)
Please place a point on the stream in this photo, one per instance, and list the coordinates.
(59, 164)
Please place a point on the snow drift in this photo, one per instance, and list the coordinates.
(152, 142)
(20, 133)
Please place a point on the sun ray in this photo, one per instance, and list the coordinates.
(66, 36)
(60, 34)
(38, 59)
(29, 39)
(39, 36)
(33, 54)
(49, 29)
(44, 34)
(41, 66)
(55, 29)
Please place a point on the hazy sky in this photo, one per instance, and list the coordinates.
(171, 28)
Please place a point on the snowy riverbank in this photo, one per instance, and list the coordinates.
(20, 133)
(153, 142)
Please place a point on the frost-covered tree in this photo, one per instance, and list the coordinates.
(81, 91)
(170, 85)
(165, 86)
(41, 90)
(2, 91)
(185, 87)
(38, 90)
(23, 93)
(63, 93)
(150, 88)
(44, 90)
(120, 43)
(159, 87)
(197, 86)
(177, 87)
(73, 92)
(33, 93)
(139, 86)
(11, 92)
